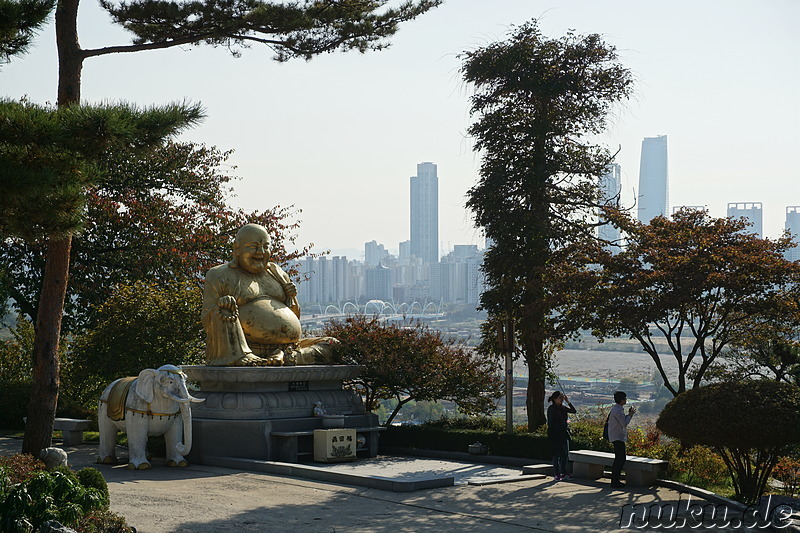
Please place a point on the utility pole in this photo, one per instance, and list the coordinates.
(505, 338)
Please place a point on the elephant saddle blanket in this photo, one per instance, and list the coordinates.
(117, 397)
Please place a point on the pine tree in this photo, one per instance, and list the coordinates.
(19, 22)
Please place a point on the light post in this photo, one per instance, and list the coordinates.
(505, 338)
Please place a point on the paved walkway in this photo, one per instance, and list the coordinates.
(203, 499)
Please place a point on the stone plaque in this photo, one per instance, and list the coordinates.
(298, 386)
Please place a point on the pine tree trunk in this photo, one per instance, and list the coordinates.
(44, 396)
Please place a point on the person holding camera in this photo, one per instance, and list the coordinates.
(618, 434)
(558, 433)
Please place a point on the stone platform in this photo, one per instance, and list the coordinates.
(267, 413)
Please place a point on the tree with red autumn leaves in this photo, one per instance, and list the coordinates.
(689, 286)
(412, 362)
(163, 217)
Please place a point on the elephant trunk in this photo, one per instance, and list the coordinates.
(186, 415)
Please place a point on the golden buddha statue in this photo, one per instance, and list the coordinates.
(250, 310)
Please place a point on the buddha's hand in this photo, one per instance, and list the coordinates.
(290, 289)
(227, 309)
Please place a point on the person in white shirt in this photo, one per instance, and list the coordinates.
(618, 434)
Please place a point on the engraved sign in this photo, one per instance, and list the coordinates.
(334, 445)
(298, 386)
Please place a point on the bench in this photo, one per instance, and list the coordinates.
(71, 430)
(639, 471)
(294, 444)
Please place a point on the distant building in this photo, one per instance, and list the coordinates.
(329, 280)
(793, 227)
(458, 277)
(677, 208)
(752, 211)
(405, 252)
(610, 187)
(425, 213)
(374, 253)
(378, 283)
(653, 197)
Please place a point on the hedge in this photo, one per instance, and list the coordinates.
(527, 445)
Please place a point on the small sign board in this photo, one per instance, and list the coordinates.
(298, 386)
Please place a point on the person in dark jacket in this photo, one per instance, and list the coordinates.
(558, 433)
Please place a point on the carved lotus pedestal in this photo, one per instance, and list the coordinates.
(266, 413)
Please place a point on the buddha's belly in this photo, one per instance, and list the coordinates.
(268, 321)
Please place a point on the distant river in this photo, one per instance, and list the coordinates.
(603, 364)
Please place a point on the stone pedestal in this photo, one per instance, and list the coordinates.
(266, 413)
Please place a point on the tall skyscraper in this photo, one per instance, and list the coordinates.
(752, 212)
(653, 196)
(610, 187)
(425, 213)
(793, 227)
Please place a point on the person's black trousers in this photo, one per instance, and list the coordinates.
(619, 460)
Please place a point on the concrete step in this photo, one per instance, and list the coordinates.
(540, 468)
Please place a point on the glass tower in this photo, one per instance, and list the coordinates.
(653, 196)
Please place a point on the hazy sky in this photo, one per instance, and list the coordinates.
(338, 137)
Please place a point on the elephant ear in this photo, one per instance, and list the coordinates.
(145, 384)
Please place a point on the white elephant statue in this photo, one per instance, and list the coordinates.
(154, 403)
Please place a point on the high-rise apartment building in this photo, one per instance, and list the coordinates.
(752, 212)
(793, 227)
(425, 213)
(404, 252)
(329, 280)
(610, 187)
(378, 283)
(653, 197)
(374, 253)
(458, 277)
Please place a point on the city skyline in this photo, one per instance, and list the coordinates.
(336, 136)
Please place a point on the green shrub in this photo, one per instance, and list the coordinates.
(47, 496)
(482, 423)
(102, 521)
(67, 471)
(91, 478)
(588, 435)
(700, 466)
